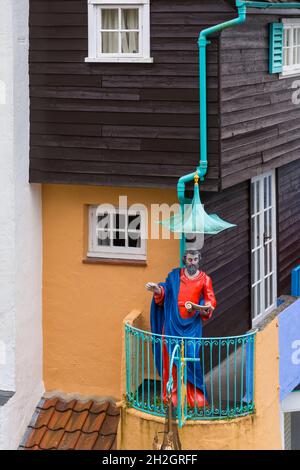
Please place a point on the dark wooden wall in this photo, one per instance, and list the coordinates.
(260, 126)
(288, 216)
(227, 260)
(121, 124)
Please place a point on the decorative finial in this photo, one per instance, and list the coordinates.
(196, 179)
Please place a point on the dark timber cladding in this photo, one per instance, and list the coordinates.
(121, 124)
(227, 260)
(260, 125)
(288, 224)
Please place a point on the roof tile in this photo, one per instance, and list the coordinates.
(104, 442)
(59, 420)
(82, 406)
(62, 405)
(110, 425)
(86, 441)
(94, 422)
(76, 421)
(44, 417)
(69, 440)
(48, 402)
(99, 407)
(80, 425)
(51, 439)
(35, 437)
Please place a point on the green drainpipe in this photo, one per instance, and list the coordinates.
(202, 168)
(202, 43)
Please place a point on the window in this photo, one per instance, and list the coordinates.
(263, 246)
(117, 233)
(119, 32)
(291, 46)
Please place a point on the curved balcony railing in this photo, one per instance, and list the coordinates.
(226, 366)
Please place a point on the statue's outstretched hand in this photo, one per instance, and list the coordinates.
(152, 287)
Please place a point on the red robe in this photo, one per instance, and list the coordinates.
(190, 290)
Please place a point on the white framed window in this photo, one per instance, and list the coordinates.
(263, 246)
(119, 31)
(117, 233)
(291, 46)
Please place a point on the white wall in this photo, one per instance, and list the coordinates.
(20, 234)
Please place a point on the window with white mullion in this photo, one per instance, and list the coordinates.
(119, 32)
(291, 46)
(117, 233)
(263, 245)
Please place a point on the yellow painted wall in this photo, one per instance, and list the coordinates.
(260, 431)
(84, 305)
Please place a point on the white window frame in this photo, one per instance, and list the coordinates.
(257, 225)
(116, 252)
(290, 70)
(94, 47)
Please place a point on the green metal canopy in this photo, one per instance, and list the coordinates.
(194, 219)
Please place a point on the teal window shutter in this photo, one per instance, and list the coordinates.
(276, 48)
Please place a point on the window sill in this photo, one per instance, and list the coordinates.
(121, 60)
(115, 261)
(293, 74)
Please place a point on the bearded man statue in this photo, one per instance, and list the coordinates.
(179, 307)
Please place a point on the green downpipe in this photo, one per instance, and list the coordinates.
(202, 168)
(202, 44)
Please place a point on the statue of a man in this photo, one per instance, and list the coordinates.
(176, 311)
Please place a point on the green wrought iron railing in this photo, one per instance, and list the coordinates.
(226, 365)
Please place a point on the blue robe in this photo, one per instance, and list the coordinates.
(166, 319)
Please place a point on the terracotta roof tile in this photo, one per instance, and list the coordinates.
(86, 441)
(69, 440)
(48, 403)
(109, 425)
(62, 405)
(73, 424)
(59, 420)
(35, 436)
(76, 421)
(43, 417)
(104, 442)
(51, 439)
(82, 406)
(94, 422)
(99, 407)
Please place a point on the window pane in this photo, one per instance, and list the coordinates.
(252, 199)
(130, 18)
(110, 43)
(271, 290)
(285, 56)
(267, 293)
(103, 238)
(257, 197)
(110, 19)
(258, 310)
(130, 43)
(253, 264)
(134, 240)
(134, 222)
(102, 221)
(119, 221)
(119, 239)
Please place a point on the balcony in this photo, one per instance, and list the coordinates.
(224, 367)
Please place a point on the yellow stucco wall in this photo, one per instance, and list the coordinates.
(256, 432)
(84, 304)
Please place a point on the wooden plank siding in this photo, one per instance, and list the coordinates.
(226, 258)
(121, 124)
(288, 216)
(260, 126)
